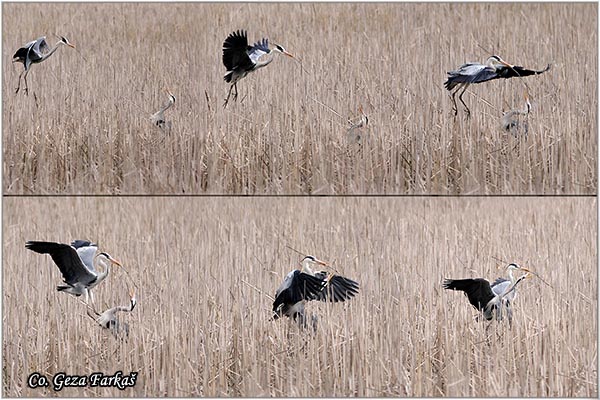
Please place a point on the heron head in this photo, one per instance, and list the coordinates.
(64, 40)
(496, 61)
(133, 299)
(516, 267)
(109, 258)
(171, 96)
(281, 50)
(311, 260)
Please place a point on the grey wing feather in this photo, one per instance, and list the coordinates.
(86, 250)
(470, 73)
(258, 50)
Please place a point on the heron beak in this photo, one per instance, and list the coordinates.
(288, 54)
(116, 262)
(323, 263)
(506, 64)
(71, 45)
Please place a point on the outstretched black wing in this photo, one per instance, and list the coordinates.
(517, 71)
(66, 259)
(477, 290)
(235, 51)
(297, 286)
(337, 288)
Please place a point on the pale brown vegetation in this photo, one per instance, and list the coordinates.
(89, 130)
(202, 324)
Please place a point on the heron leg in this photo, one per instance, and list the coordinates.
(26, 88)
(229, 95)
(461, 99)
(19, 82)
(453, 97)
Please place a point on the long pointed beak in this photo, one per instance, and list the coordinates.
(506, 64)
(71, 45)
(116, 262)
(323, 263)
(288, 54)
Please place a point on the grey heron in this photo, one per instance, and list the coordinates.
(491, 299)
(77, 263)
(240, 59)
(511, 120)
(109, 320)
(300, 286)
(354, 129)
(494, 68)
(158, 118)
(35, 52)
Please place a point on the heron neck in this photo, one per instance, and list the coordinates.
(47, 55)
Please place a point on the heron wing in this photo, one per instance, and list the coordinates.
(21, 53)
(66, 259)
(477, 290)
(258, 50)
(470, 73)
(337, 288)
(517, 71)
(86, 250)
(235, 51)
(38, 49)
(297, 286)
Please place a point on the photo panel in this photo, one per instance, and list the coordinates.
(398, 98)
(204, 273)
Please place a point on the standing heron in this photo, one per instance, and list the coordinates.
(35, 52)
(109, 320)
(77, 263)
(511, 120)
(488, 298)
(158, 118)
(300, 286)
(469, 73)
(240, 59)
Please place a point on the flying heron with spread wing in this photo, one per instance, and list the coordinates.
(494, 68)
(240, 58)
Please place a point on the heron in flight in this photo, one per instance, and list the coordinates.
(158, 118)
(300, 286)
(109, 320)
(77, 263)
(240, 59)
(35, 52)
(490, 299)
(494, 68)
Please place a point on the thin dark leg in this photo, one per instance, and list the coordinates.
(235, 95)
(228, 95)
(26, 89)
(461, 100)
(454, 107)
(19, 83)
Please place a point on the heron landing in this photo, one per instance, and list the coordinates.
(240, 59)
(35, 52)
(494, 68)
(300, 286)
(492, 300)
(77, 262)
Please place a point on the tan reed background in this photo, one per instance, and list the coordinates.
(89, 130)
(203, 269)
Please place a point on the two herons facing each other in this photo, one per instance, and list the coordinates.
(78, 264)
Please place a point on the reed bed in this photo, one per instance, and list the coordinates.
(85, 126)
(203, 269)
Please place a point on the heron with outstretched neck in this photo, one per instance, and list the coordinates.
(35, 52)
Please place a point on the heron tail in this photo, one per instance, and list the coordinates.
(228, 76)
